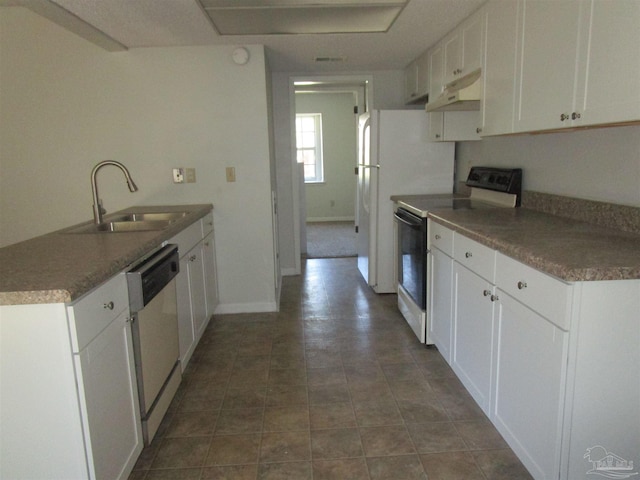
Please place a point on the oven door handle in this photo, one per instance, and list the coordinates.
(407, 222)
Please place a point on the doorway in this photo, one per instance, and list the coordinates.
(326, 200)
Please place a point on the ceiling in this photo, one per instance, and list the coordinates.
(379, 34)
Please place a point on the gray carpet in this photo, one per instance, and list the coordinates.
(331, 240)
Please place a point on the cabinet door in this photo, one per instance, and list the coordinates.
(472, 43)
(109, 401)
(452, 46)
(186, 332)
(609, 66)
(210, 275)
(197, 288)
(499, 69)
(436, 71)
(411, 82)
(436, 126)
(548, 49)
(473, 334)
(531, 358)
(423, 75)
(441, 315)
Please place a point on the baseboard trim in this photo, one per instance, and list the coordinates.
(330, 219)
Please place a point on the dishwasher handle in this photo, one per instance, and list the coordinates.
(146, 279)
(408, 218)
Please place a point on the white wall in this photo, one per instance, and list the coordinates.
(599, 164)
(66, 104)
(333, 199)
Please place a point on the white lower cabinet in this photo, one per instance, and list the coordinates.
(109, 401)
(441, 320)
(530, 366)
(68, 388)
(196, 284)
(554, 365)
(473, 334)
(210, 276)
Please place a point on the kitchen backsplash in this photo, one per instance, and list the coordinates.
(620, 217)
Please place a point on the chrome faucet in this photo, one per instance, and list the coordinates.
(98, 210)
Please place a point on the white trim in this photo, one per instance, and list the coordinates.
(330, 219)
(338, 79)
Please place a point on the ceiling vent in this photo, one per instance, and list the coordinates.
(330, 59)
(294, 17)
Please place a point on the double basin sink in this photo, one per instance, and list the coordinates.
(130, 222)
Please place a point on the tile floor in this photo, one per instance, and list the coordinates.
(334, 386)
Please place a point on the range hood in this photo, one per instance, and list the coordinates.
(461, 94)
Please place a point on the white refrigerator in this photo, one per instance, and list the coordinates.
(395, 157)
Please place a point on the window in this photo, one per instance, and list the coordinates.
(309, 145)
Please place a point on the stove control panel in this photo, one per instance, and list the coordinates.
(506, 180)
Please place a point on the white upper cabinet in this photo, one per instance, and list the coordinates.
(416, 77)
(436, 71)
(463, 48)
(548, 49)
(579, 63)
(608, 83)
(499, 68)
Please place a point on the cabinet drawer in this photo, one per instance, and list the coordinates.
(476, 257)
(545, 295)
(207, 224)
(440, 237)
(188, 238)
(96, 310)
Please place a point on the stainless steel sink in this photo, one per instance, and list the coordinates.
(151, 217)
(130, 222)
(120, 226)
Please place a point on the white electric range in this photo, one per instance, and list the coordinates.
(490, 188)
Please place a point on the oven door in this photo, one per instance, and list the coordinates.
(412, 255)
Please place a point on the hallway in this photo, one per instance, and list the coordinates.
(334, 386)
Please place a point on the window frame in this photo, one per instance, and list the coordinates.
(317, 148)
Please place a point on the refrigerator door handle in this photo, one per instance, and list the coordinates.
(368, 166)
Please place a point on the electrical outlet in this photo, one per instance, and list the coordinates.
(231, 174)
(190, 175)
(178, 175)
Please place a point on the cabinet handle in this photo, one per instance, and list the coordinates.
(109, 306)
(206, 244)
(486, 293)
(478, 130)
(522, 285)
(494, 298)
(575, 116)
(564, 116)
(437, 135)
(438, 237)
(192, 258)
(468, 255)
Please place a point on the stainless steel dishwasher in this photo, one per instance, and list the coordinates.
(152, 299)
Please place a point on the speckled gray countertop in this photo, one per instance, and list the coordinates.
(60, 267)
(566, 248)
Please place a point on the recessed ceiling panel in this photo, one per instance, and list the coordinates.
(303, 19)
